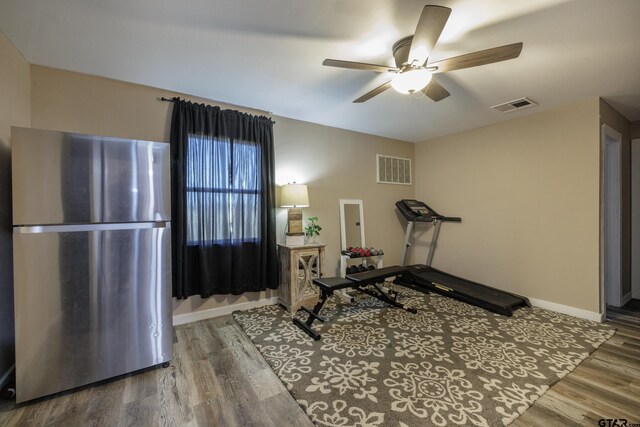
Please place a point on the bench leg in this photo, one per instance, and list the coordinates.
(382, 296)
(307, 329)
(313, 315)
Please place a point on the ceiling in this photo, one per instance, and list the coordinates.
(267, 54)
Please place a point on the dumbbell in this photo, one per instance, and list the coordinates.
(362, 268)
(370, 267)
(355, 269)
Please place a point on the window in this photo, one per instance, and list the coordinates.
(223, 238)
(223, 190)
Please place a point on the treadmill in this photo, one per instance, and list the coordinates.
(427, 279)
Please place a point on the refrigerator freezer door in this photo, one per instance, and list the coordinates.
(68, 178)
(90, 305)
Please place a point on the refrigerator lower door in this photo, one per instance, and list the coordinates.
(89, 305)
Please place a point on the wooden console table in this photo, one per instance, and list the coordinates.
(298, 266)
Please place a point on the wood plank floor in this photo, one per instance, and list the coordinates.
(218, 378)
(605, 385)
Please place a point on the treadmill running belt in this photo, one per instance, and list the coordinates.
(469, 288)
(429, 279)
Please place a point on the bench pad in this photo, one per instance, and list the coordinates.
(333, 283)
(374, 276)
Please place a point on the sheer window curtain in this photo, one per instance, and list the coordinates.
(223, 201)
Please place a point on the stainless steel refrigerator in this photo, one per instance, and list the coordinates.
(91, 253)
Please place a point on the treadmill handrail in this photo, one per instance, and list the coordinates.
(450, 219)
(412, 217)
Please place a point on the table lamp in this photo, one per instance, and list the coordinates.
(294, 196)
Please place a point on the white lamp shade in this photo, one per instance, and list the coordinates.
(294, 196)
(411, 81)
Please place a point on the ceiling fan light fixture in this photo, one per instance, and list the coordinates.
(411, 81)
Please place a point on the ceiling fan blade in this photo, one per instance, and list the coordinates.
(434, 91)
(481, 57)
(430, 26)
(377, 91)
(358, 65)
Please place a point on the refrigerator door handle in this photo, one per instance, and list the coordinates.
(66, 228)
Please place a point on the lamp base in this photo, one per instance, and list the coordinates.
(294, 221)
(294, 240)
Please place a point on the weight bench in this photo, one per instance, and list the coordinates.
(366, 282)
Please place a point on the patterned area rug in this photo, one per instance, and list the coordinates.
(449, 364)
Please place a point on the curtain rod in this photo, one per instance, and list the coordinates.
(230, 105)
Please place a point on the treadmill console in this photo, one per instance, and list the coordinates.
(413, 210)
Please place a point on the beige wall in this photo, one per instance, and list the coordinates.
(528, 194)
(338, 164)
(334, 163)
(66, 101)
(14, 111)
(615, 120)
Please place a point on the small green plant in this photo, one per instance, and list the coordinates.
(313, 229)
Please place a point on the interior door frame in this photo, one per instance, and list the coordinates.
(635, 218)
(610, 137)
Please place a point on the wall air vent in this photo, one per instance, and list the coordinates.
(515, 105)
(393, 170)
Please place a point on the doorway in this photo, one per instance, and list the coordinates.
(612, 211)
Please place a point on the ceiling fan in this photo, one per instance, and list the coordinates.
(411, 53)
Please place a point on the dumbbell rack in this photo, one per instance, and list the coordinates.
(375, 260)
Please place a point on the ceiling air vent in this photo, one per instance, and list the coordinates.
(515, 105)
(393, 170)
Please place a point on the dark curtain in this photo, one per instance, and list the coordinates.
(223, 201)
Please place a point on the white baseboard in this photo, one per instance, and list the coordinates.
(181, 319)
(625, 299)
(5, 376)
(565, 309)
